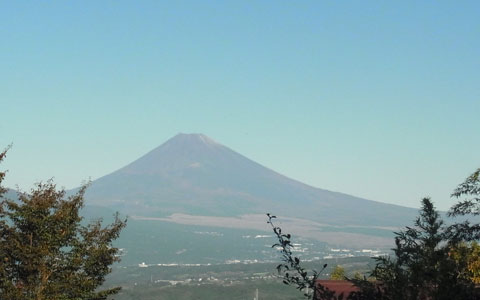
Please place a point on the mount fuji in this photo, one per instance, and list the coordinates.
(195, 175)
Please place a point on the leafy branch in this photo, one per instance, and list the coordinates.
(293, 272)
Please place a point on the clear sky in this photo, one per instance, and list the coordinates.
(379, 99)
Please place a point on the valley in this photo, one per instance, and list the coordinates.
(221, 281)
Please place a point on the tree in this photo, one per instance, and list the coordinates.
(2, 174)
(45, 251)
(338, 273)
(430, 260)
(470, 189)
(423, 266)
(468, 256)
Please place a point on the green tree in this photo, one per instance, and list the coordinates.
(338, 273)
(45, 251)
(430, 260)
(423, 266)
(468, 193)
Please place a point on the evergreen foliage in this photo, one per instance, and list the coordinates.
(426, 264)
(423, 266)
(45, 251)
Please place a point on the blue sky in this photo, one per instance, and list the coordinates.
(378, 99)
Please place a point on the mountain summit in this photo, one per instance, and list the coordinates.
(193, 174)
(183, 151)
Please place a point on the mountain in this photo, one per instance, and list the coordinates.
(10, 194)
(192, 174)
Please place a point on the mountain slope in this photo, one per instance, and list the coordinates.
(191, 173)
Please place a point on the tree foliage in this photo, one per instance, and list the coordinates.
(468, 256)
(46, 252)
(2, 174)
(423, 266)
(292, 270)
(468, 193)
(338, 273)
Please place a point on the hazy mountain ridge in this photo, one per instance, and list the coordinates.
(193, 174)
